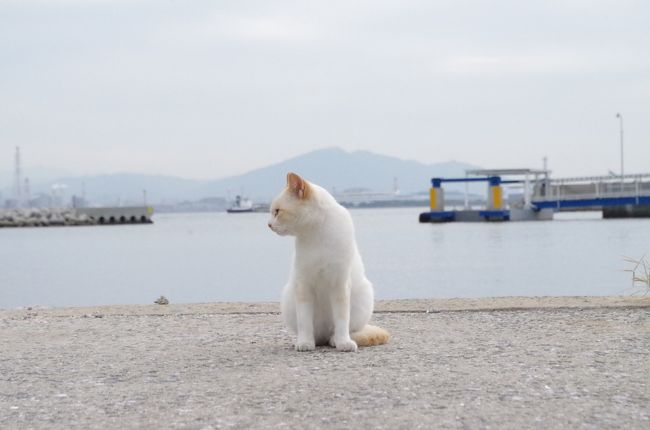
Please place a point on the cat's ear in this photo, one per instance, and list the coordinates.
(298, 186)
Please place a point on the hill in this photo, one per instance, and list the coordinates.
(332, 168)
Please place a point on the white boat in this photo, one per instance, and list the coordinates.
(241, 205)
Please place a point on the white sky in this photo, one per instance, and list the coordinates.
(204, 89)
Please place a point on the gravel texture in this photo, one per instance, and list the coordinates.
(584, 363)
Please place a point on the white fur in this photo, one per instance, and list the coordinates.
(327, 296)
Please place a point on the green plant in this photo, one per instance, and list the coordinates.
(640, 273)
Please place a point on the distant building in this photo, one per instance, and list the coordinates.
(41, 200)
(78, 202)
(358, 196)
(207, 204)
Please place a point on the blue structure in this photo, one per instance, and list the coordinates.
(621, 196)
(494, 210)
(600, 192)
(592, 202)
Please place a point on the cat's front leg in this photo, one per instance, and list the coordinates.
(305, 322)
(341, 308)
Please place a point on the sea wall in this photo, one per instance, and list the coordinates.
(559, 363)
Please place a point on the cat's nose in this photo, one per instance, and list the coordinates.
(270, 226)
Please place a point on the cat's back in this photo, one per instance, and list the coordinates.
(335, 217)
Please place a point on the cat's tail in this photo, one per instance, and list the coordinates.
(370, 335)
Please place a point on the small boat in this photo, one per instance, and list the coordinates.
(241, 205)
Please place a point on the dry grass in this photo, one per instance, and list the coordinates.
(640, 273)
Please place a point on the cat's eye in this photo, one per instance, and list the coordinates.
(276, 212)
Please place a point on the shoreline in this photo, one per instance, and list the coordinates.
(486, 304)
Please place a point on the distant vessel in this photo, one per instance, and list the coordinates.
(241, 205)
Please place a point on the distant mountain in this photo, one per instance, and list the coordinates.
(332, 168)
(337, 169)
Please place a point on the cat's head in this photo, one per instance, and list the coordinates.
(291, 209)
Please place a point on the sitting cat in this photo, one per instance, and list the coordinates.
(328, 298)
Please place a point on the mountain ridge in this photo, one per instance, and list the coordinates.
(333, 168)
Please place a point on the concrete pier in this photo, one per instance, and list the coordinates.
(511, 363)
(119, 215)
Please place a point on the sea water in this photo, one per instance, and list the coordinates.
(209, 257)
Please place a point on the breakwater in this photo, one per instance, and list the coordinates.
(75, 217)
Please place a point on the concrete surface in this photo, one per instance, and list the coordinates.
(488, 363)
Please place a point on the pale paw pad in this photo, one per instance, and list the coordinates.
(305, 346)
(346, 345)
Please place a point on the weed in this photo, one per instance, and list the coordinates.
(640, 273)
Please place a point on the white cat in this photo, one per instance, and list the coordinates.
(328, 298)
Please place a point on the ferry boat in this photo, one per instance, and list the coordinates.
(241, 205)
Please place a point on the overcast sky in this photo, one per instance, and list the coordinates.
(205, 89)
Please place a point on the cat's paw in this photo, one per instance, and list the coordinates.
(305, 346)
(331, 342)
(347, 345)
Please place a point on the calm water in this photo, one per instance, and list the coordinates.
(221, 257)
